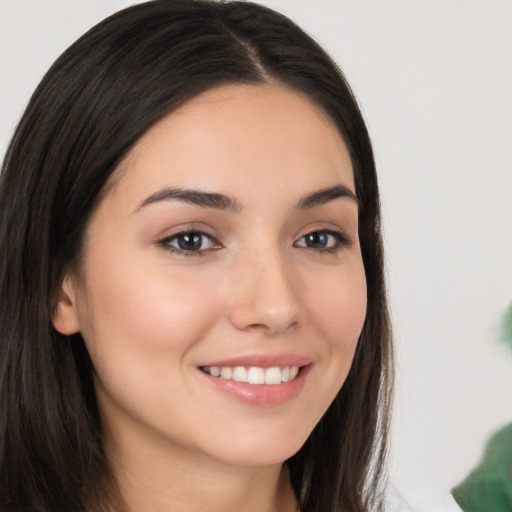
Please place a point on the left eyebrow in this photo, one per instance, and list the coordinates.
(324, 196)
(203, 199)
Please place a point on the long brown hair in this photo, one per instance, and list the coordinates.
(95, 102)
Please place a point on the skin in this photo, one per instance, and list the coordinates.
(151, 314)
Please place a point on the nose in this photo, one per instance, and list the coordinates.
(265, 295)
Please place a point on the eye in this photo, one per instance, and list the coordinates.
(324, 240)
(189, 243)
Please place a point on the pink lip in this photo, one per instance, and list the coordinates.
(263, 361)
(262, 394)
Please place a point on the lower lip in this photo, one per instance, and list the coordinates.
(261, 394)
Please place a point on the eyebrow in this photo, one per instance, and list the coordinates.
(324, 196)
(203, 199)
(222, 202)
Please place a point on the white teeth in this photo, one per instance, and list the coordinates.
(272, 376)
(226, 372)
(240, 374)
(254, 374)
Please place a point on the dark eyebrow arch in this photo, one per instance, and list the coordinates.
(324, 196)
(203, 199)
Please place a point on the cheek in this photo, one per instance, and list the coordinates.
(338, 305)
(336, 302)
(145, 313)
(141, 326)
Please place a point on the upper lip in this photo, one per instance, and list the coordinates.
(263, 361)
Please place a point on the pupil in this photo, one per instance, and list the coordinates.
(316, 240)
(190, 242)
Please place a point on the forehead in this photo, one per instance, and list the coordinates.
(240, 135)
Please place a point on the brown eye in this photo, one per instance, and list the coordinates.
(189, 242)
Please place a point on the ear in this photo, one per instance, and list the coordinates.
(65, 318)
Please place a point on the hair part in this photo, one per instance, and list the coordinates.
(95, 102)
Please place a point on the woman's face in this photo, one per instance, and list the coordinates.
(228, 245)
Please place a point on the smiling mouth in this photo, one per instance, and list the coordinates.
(254, 374)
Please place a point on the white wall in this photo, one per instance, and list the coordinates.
(435, 83)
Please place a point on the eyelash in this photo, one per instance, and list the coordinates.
(341, 240)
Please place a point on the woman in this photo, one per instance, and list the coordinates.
(193, 309)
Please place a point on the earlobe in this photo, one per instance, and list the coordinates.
(65, 317)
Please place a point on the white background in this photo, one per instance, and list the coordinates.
(435, 83)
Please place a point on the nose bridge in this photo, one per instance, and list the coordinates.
(265, 291)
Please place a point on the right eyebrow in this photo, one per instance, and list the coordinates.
(200, 198)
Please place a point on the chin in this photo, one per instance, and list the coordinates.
(261, 452)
